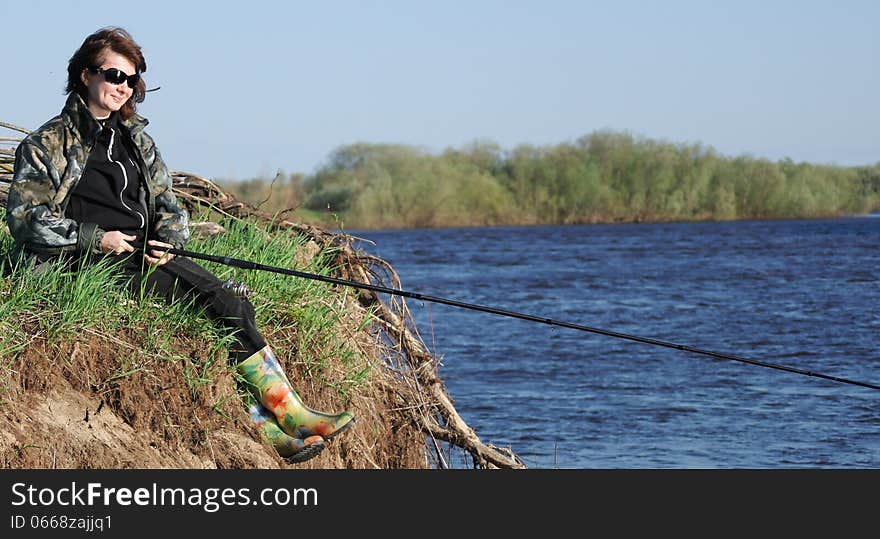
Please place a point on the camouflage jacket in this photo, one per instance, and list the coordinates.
(49, 163)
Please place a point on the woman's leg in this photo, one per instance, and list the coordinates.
(181, 279)
(302, 427)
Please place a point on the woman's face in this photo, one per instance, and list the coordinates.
(106, 97)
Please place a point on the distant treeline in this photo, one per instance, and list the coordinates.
(602, 177)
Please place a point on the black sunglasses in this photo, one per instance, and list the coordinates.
(117, 76)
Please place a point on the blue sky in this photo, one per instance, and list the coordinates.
(252, 88)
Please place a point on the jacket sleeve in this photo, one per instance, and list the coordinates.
(33, 214)
(171, 221)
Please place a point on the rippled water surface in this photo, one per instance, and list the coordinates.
(802, 294)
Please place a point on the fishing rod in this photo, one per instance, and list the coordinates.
(247, 264)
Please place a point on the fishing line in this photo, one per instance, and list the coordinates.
(247, 264)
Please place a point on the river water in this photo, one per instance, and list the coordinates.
(801, 294)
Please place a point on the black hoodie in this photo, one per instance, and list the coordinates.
(109, 192)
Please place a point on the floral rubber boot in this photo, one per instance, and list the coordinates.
(268, 383)
(292, 449)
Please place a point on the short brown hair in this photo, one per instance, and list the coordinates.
(91, 53)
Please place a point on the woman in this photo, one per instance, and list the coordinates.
(91, 183)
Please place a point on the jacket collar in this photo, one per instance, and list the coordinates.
(79, 118)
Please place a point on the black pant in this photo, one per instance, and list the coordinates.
(183, 279)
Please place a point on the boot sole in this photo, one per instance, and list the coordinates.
(308, 452)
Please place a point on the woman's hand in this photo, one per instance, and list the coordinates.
(116, 242)
(159, 257)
